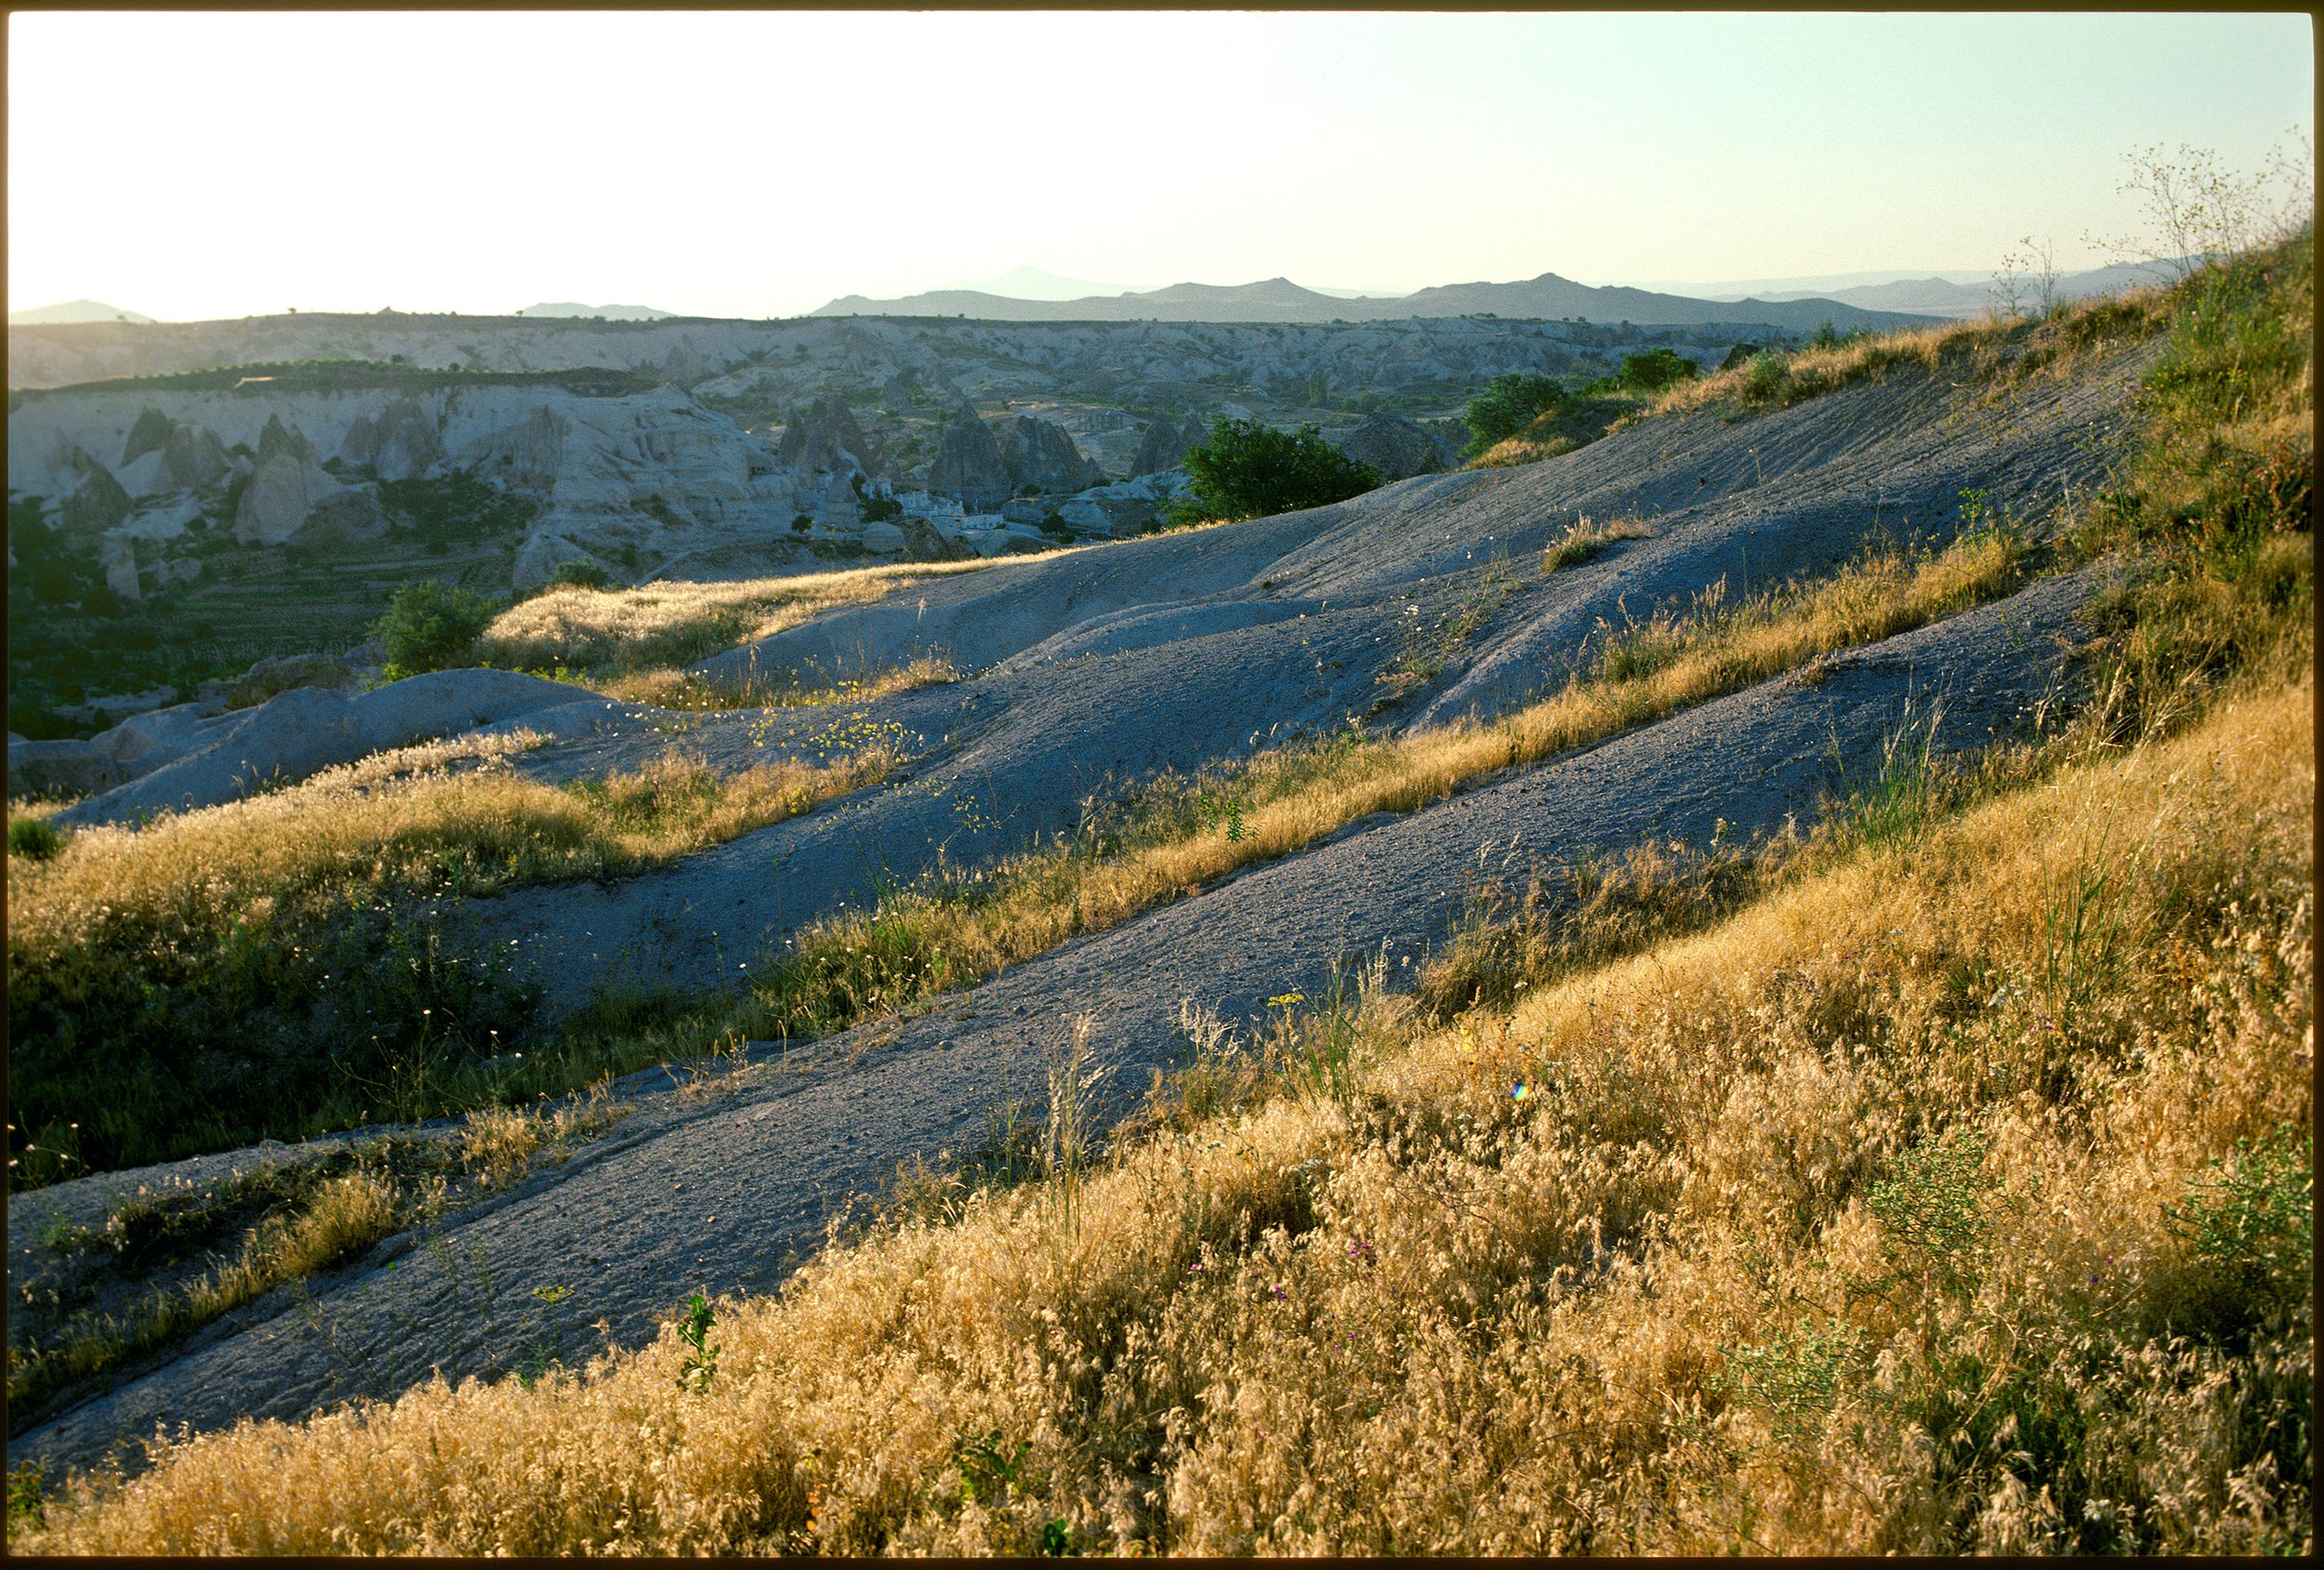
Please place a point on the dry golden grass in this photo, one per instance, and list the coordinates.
(400, 821)
(670, 687)
(669, 624)
(1872, 1220)
(1587, 540)
(1511, 452)
(268, 967)
(314, 1219)
(1981, 348)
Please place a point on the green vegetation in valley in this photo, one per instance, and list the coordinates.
(1248, 469)
(432, 626)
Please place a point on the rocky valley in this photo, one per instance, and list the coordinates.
(260, 486)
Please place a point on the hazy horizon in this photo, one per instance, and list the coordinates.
(1381, 152)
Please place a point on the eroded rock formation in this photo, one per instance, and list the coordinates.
(1396, 447)
(968, 463)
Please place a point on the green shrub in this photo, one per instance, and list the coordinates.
(2252, 1222)
(1656, 369)
(1765, 376)
(1507, 405)
(1246, 469)
(33, 838)
(801, 523)
(431, 627)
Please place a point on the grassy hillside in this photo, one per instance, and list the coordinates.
(1940, 1184)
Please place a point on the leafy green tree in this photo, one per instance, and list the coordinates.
(431, 627)
(1656, 369)
(1508, 405)
(1246, 469)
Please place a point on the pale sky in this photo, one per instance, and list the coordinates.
(192, 166)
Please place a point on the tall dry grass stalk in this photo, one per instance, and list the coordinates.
(1860, 1223)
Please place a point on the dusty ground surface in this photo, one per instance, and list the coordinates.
(1090, 671)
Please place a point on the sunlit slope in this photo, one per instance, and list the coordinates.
(1832, 1125)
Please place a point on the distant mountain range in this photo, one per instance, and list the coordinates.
(1023, 283)
(1939, 296)
(610, 312)
(73, 311)
(1548, 298)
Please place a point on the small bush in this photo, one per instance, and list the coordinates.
(431, 627)
(1248, 469)
(1765, 377)
(33, 838)
(1507, 405)
(1658, 369)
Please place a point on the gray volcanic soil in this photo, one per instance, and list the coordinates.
(1095, 668)
(730, 1189)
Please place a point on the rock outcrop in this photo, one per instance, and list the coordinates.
(192, 458)
(97, 502)
(923, 543)
(1395, 446)
(150, 434)
(541, 556)
(1164, 443)
(144, 741)
(261, 681)
(968, 463)
(344, 517)
(526, 453)
(285, 485)
(824, 438)
(1040, 454)
(118, 557)
(841, 509)
(60, 768)
(400, 444)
